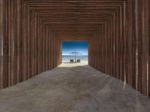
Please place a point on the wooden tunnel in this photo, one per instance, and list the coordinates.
(118, 31)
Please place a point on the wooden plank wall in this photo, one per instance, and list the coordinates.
(26, 46)
(143, 39)
(123, 47)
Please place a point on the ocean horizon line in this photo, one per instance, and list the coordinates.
(73, 55)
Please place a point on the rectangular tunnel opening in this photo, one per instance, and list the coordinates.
(75, 52)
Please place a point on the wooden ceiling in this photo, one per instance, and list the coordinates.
(75, 16)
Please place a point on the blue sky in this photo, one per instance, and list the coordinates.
(72, 46)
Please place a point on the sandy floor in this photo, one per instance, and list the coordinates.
(72, 88)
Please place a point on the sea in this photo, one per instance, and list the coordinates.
(67, 58)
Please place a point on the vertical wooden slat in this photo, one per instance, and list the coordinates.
(5, 48)
(148, 5)
(124, 41)
(18, 40)
(1, 41)
(24, 43)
